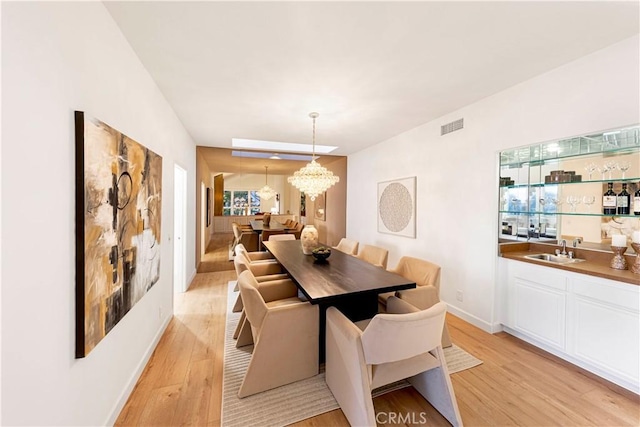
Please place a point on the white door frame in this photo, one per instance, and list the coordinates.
(179, 229)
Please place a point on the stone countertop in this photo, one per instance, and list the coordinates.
(596, 262)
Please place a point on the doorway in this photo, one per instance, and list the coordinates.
(179, 228)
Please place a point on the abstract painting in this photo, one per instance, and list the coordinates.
(118, 223)
(397, 207)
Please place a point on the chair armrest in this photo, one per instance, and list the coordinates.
(397, 306)
(421, 297)
(271, 277)
(277, 289)
(265, 268)
(260, 256)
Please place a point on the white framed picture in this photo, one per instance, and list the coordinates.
(397, 207)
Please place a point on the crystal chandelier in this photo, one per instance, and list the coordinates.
(266, 192)
(313, 179)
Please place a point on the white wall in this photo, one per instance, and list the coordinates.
(57, 58)
(457, 174)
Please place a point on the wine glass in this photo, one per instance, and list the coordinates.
(588, 200)
(623, 166)
(573, 201)
(611, 165)
(590, 168)
(557, 203)
(542, 203)
(603, 170)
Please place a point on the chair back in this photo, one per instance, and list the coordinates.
(254, 306)
(423, 272)
(240, 264)
(374, 255)
(348, 246)
(266, 234)
(236, 230)
(393, 337)
(274, 237)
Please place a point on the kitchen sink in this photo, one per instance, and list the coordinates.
(553, 259)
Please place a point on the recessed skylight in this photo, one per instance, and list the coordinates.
(255, 144)
(273, 156)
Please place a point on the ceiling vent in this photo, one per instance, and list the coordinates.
(451, 127)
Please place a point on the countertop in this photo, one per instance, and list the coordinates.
(596, 262)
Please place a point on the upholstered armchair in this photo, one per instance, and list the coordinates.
(272, 287)
(256, 255)
(246, 237)
(285, 336)
(263, 270)
(427, 293)
(347, 246)
(366, 355)
(282, 237)
(374, 255)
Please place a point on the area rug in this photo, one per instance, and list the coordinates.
(293, 402)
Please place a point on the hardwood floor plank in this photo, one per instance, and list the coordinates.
(193, 404)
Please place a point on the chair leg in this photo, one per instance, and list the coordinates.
(238, 306)
(446, 338)
(245, 336)
(239, 325)
(435, 386)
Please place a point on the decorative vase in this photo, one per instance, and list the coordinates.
(309, 239)
(635, 268)
(266, 219)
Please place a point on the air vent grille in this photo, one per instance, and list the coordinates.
(451, 127)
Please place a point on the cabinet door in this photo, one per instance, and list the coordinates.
(539, 304)
(604, 324)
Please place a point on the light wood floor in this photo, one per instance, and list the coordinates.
(517, 385)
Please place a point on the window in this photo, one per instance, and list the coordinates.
(240, 202)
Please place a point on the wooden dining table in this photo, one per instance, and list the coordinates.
(258, 226)
(343, 281)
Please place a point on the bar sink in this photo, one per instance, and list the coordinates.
(553, 259)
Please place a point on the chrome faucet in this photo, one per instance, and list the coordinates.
(576, 241)
(563, 245)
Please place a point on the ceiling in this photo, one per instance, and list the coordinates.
(371, 69)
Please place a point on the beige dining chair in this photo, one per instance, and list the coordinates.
(272, 287)
(347, 246)
(255, 255)
(374, 255)
(427, 277)
(285, 336)
(267, 234)
(282, 236)
(264, 268)
(248, 238)
(369, 354)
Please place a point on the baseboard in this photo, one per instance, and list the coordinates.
(468, 317)
(122, 400)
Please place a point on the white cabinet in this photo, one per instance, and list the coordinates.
(589, 321)
(539, 305)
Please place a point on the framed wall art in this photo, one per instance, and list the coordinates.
(118, 223)
(397, 207)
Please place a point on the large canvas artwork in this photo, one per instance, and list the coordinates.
(397, 207)
(118, 217)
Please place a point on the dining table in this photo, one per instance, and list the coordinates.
(343, 281)
(258, 226)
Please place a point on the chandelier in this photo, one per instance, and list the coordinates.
(266, 192)
(313, 179)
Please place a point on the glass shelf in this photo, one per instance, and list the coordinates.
(601, 181)
(566, 214)
(618, 141)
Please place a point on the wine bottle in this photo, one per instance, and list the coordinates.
(624, 200)
(636, 201)
(609, 201)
